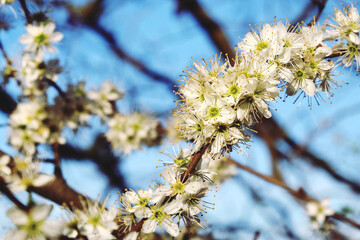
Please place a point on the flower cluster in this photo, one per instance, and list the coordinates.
(129, 132)
(221, 100)
(93, 221)
(180, 197)
(33, 224)
(21, 173)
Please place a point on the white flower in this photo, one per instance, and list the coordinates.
(348, 25)
(40, 37)
(162, 217)
(4, 168)
(129, 132)
(98, 222)
(215, 110)
(176, 185)
(141, 200)
(33, 224)
(318, 211)
(35, 68)
(349, 52)
(264, 44)
(300, 76)
(27, 175)
(104, 99)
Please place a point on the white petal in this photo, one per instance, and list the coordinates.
(171, 227)
(149, 226)
(41, 212)
(193, 187)
(131, 236)
(17, 216)
(43, 179)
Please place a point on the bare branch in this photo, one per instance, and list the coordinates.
(299, 194)
(211, 27)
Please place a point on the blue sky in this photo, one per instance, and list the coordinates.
(167, 42)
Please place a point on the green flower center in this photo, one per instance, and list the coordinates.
(179, 187)
(32, 228)
(143, 202)
(262, 45)
(136, 126)
(312, 65)
(234, 90)
(159, 215)
(198, 127)
(41, 39)
(299, 74)
(352, 49)
(287, 43)
(213, 112)
(95, 220)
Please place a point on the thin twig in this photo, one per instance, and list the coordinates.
(26, 11)
(211, 27)
(53, 84)
(299, 194)
(6, 191)
(195, 158)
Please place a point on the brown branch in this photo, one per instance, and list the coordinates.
(6, 191)
(90, 16)
(272, 128)
(57, 161)
(299, 194)
(26, 11)
(211, 27)
(59, 192)
(195, 158)
(320, 4)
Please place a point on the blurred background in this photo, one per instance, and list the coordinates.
(143, 46)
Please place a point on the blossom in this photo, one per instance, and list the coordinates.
(140, 199)
(161, 216)
(262, 44)
(300, 76)
(4, 168)
(347, 25)
(36, 68)
(97, 221)
(176, 184)
(129, 132)
(27, 175)
(318, 211)
(349, 52)
(104, 99)
(40, 37)
(33, 224)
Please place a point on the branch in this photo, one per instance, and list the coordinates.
(26, 11)
(195, 158)
(211, 27)
(100, 153)
(299, 194)
(5, 190)
(57, 161)
(59, 192)
(90, 16)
